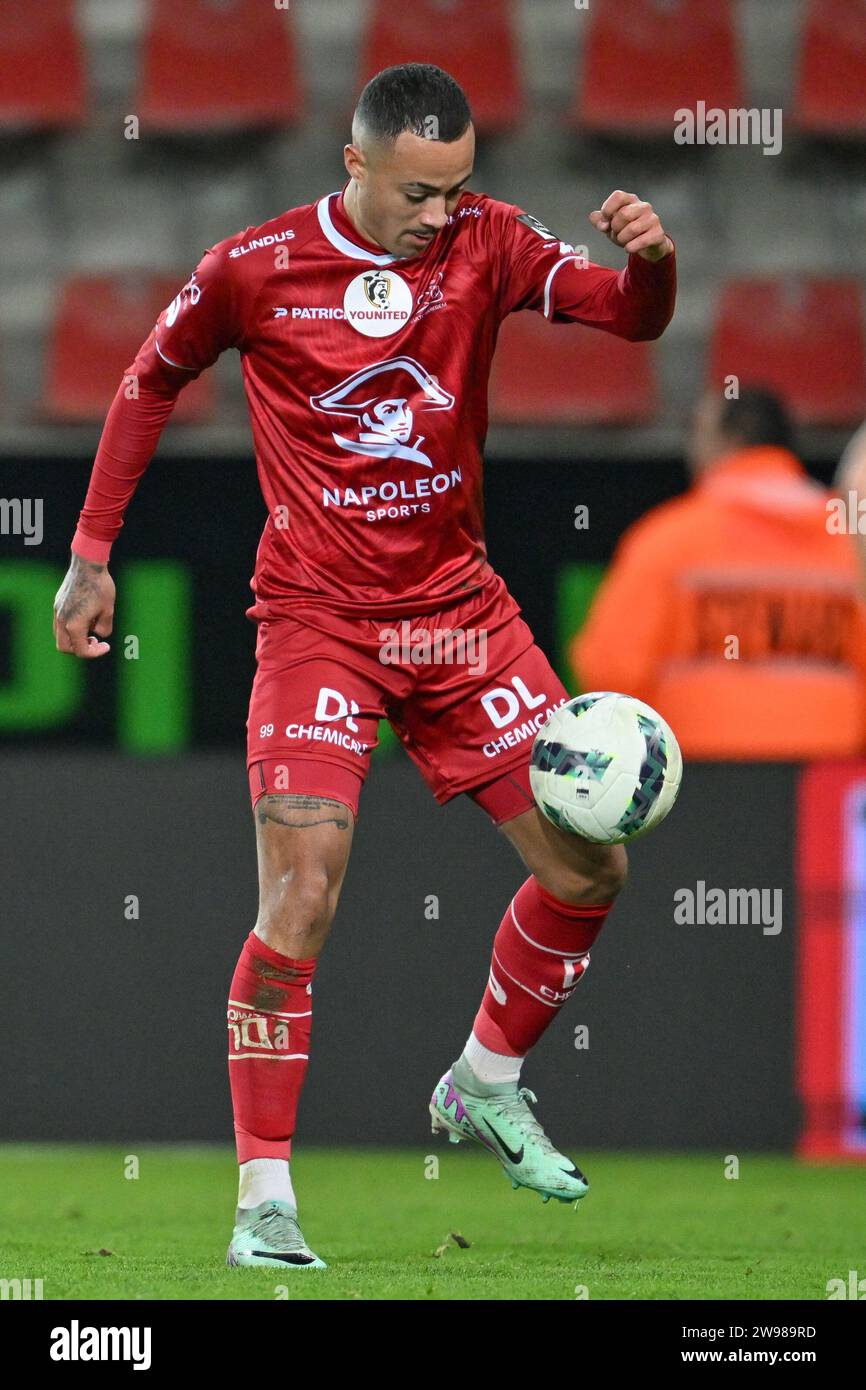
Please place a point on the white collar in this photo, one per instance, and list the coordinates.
(348, 248)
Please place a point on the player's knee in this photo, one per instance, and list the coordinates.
(613, 872)
(597, 876)
(299, 902)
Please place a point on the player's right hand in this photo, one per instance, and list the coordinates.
(84, 609)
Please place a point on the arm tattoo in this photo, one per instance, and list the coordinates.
(302, 812)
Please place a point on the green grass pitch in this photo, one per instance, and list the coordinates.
(652, 1227)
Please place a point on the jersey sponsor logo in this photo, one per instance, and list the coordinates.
(431, 298)
(407, 491)
(193, 295)
(474, 211)
(565, 247)
(384, 400)
(332, 707)
(377, 303)
(258, 242)
(533, 223)
(308, 312)
(502, 706)
(317, 733)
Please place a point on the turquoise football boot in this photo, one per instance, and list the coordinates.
(269, 1235)
(501, 1121)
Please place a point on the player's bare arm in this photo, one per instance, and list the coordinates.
(633, 224)
(84, 609)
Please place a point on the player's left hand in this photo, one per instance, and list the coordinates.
(633, 224)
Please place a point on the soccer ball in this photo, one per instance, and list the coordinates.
(606, 767)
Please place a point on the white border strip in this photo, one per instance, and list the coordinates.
(179, 366)
(348, 248)
(551, 950)
(269, 1056)
(549, 281)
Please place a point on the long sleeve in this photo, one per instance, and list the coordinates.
(131, 433)
(201, 321)
(540, 272)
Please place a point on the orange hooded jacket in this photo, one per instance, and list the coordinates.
(735, 610)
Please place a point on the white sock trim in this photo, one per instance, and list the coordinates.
(491, 1067)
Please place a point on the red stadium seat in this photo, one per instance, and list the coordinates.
(568, 374)
(802, 336)
(101, 322)
(41, 68)
(475, 42)
(645, 59)
(831, 86)
(212, 65)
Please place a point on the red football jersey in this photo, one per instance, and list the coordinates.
(366, 379)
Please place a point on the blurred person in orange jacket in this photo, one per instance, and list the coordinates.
(850, 478)
(735, 609)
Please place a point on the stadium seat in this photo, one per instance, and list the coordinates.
(476, 43)
(644, 59)
(831, 84)
(568, 374)
(213, 65)
(802, 336)
(101, 322)
(41, 68)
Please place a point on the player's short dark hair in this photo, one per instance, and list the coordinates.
(758, 416)
(406, 97)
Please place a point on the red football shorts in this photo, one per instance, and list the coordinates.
(465, 689)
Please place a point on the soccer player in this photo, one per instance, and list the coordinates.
(366, 323)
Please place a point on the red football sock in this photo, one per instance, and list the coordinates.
(270, 1012)
(540, 952)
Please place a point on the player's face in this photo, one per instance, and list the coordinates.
(404, 193)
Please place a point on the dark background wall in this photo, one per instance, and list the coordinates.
(115, 1029)
(206, 516)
